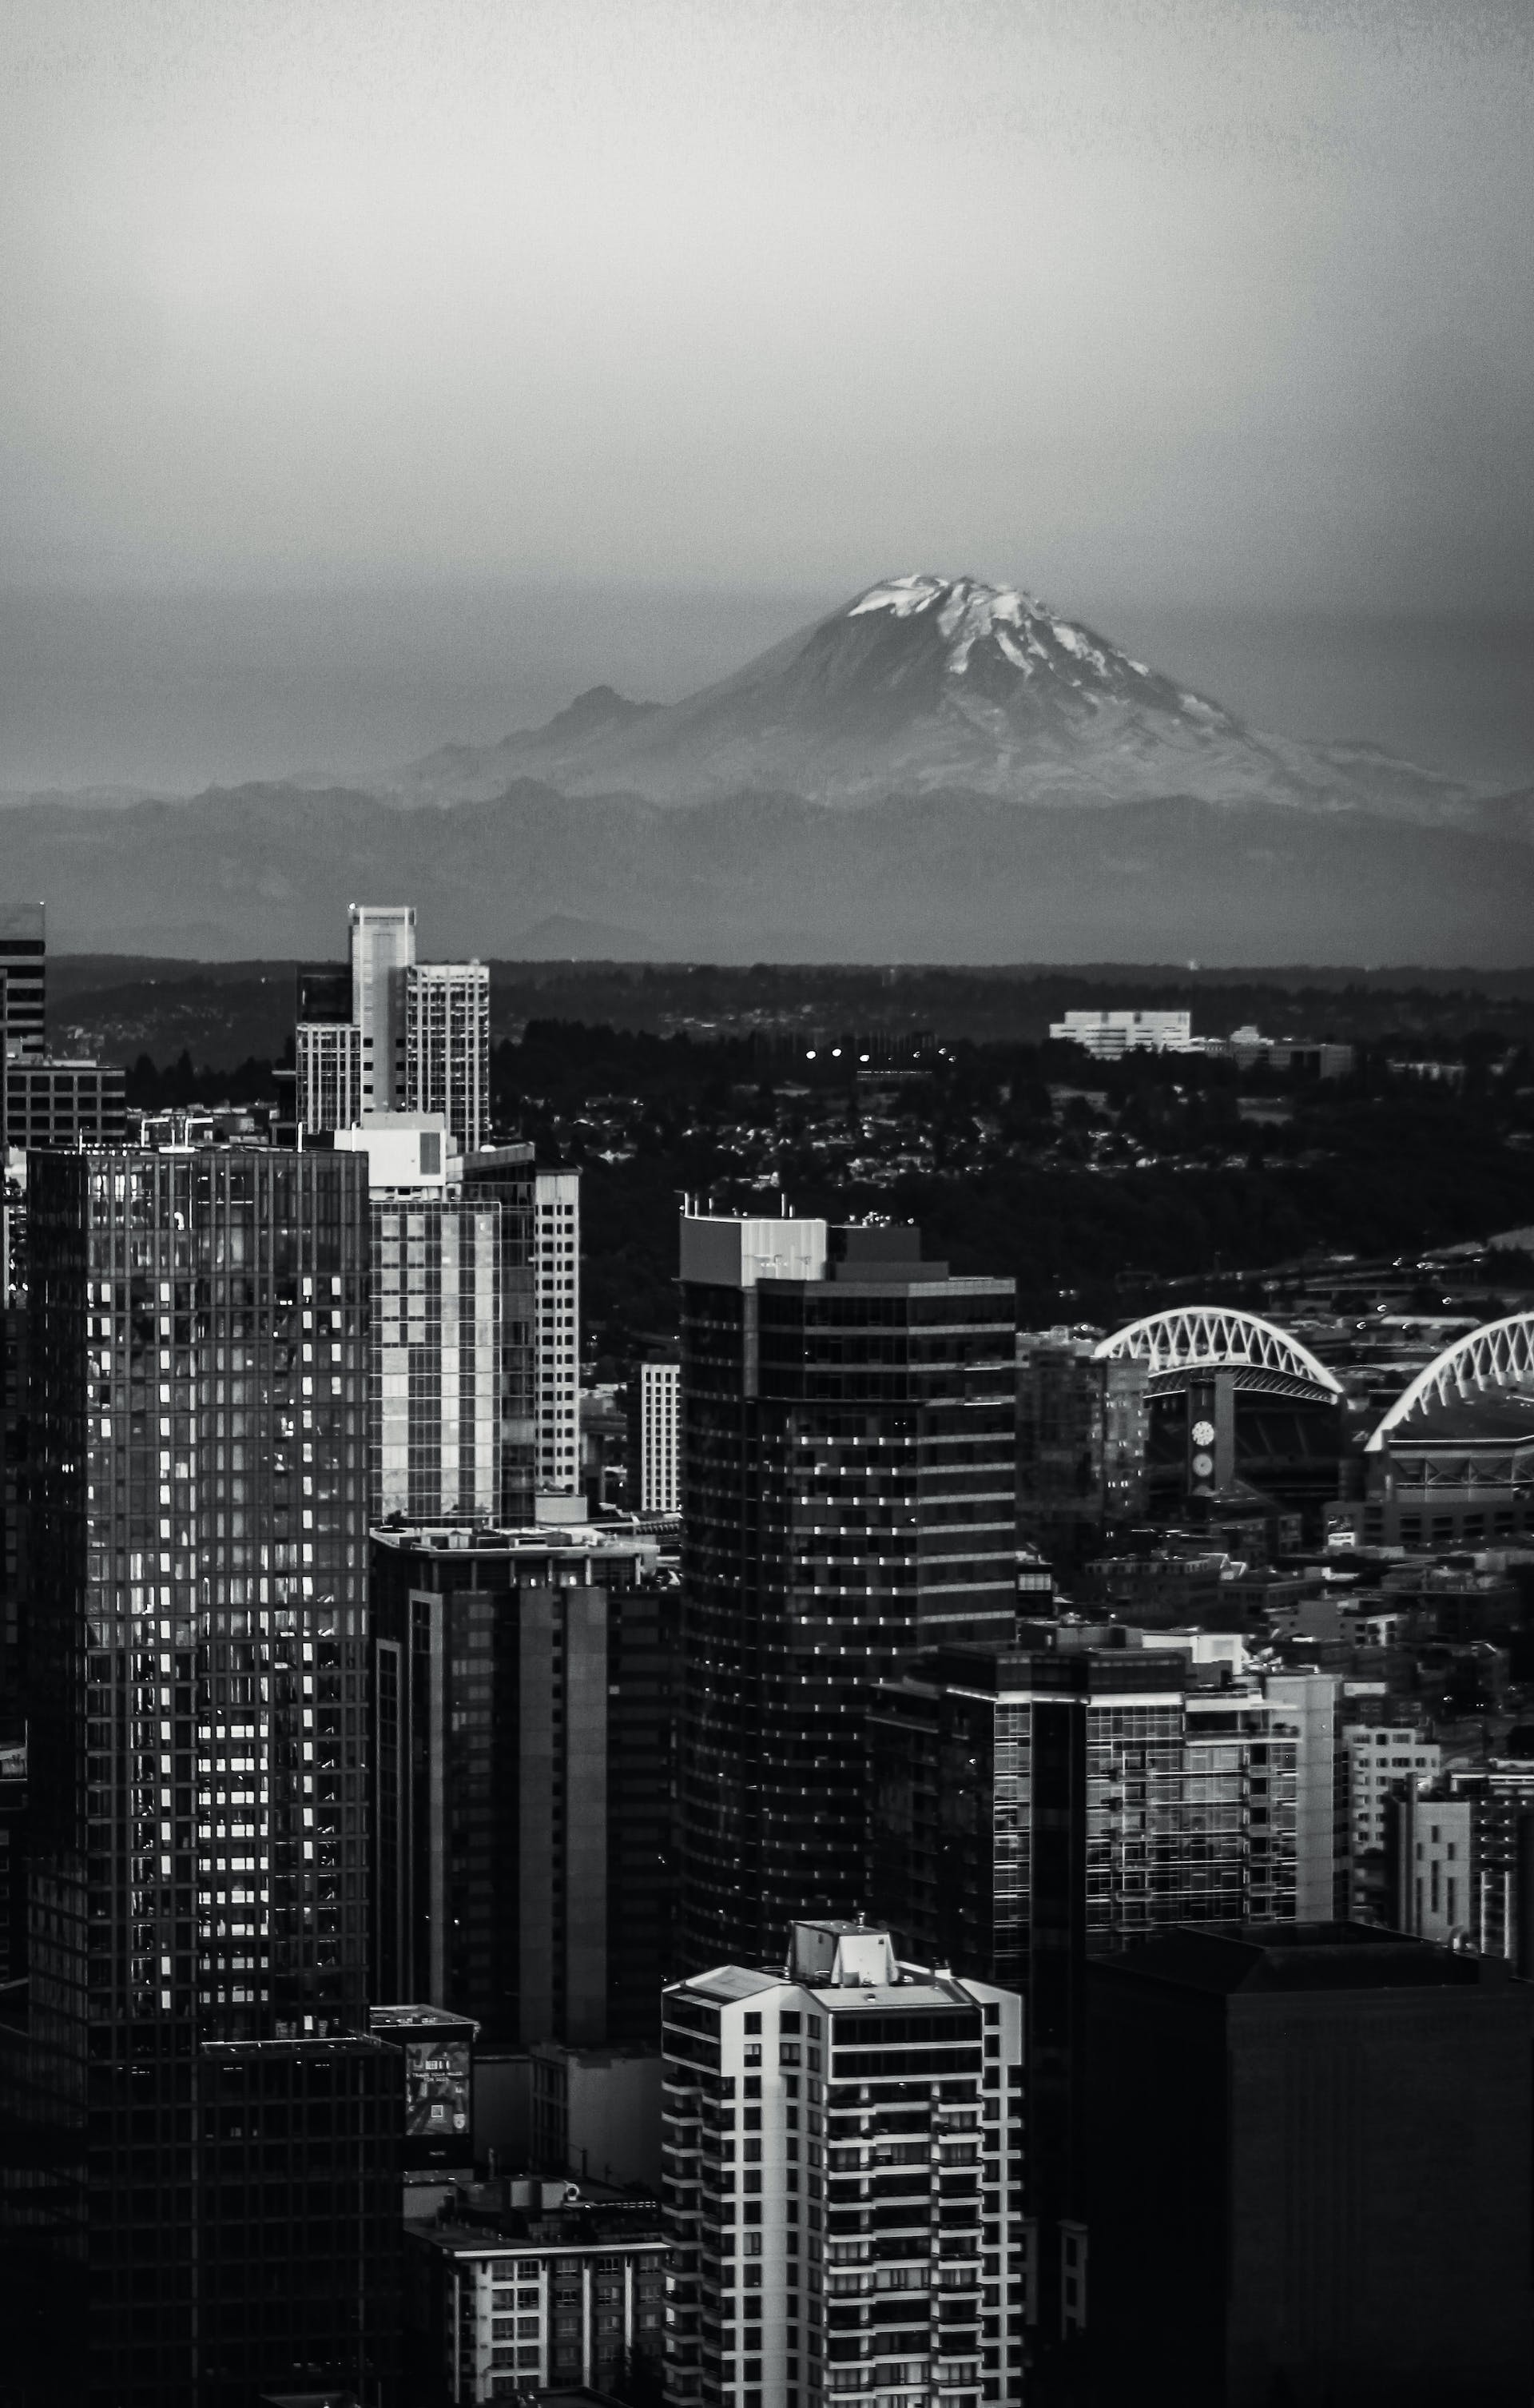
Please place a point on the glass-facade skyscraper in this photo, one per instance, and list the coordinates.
(848, 1421)
(198, 1670)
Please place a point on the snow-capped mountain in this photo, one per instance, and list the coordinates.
(925, 683)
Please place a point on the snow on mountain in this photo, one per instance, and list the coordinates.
(924, 683)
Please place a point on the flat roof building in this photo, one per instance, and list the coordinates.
(842, 2156)
(1310, 2171)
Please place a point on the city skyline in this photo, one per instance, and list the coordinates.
(766, 1204)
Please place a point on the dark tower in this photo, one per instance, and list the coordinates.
(849, 1492)
(197, 1681)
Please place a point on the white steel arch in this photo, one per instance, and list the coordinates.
(1498, 1354)
(1200, 1337)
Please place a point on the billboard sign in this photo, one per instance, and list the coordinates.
(438, 2091)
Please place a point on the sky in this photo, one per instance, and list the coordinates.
(371, 372)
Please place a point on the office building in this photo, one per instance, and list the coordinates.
(1310, 2153)
(58, 1103)
(197, 1681)
(1108, 1035)
(522, 1763)
(389, 1034)
(538, 2297)
(23, 986)
(848, 1496)
(1083, 1438)
(655, 1410)
(1029, 1810)
(843, 2145)
(300, 2240)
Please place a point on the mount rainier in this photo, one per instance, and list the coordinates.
(924, 683)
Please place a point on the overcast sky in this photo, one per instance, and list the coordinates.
(1179, 302)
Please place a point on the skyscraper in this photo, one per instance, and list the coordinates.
(842, 2140)
(448, 1046)
(383, 948)
(848, 1495)
(392, 1033)
(523, 1685)
(198, 1683)
(441, 1354)
(557, 1270)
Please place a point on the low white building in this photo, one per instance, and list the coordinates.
(1109, 1034)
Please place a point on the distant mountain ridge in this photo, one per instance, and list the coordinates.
(941, 771)
(949, 877)
(925, 683)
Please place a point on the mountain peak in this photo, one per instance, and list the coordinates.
(601, 706)
(926, 684)
(1013, 626)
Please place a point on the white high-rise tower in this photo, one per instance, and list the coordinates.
(842, 2154)
(383, 948)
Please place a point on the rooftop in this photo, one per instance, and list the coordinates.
(1249, 1959)
(588, 2225)
(533, 1538)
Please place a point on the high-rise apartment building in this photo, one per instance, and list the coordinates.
(383, 949)
(557, 1274)
(390, 1034)
(475, 1334)
(524, 1688)
(848, 1496)
(447, 1045)
(442, 1357)
(655, 1437)
(197, 1683)
(843, 2145)
(328, 1074)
